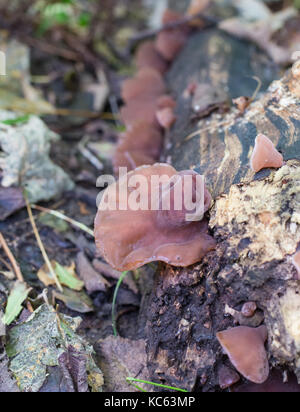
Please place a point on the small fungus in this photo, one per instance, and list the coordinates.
(139, 145)
(138, 109)
(265, 155)
(296, 262)
(227, 377)
(169, 42)
(130, 237)
(166, 117)
(249, 309)
(146, 84)
(165, 113)
(246, 351)
(148, 57)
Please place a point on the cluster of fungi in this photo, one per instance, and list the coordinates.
(129, 239)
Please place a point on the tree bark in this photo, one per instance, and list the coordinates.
(255, 218)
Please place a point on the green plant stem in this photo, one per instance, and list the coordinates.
(113, 315)
(130, 380)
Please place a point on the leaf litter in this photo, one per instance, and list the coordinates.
(41, 341)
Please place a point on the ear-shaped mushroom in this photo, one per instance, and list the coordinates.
(170, 42)
(140, 109)
(148, 57)
(130, 238)
(246, 350)
(146, 109)
(265, 154)
(140, 145)
(147, 83)
(296, 262)
(165, 111)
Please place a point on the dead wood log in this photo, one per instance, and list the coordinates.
(255, 220)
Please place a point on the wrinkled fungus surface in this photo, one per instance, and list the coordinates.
(129, 239)
(265, 155)
(246, 350)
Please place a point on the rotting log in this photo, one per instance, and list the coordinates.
(255, 220)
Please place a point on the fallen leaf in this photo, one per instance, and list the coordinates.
(66, 276)
(197, 7)
(121, 358)
(38, 343)
(7, 383)
(93, 281)
(252, 10)
(11, 200)
(73, 365)
(26, 162)
(108, 271)
(261, 31)
(17, 296)
(49, 220)
(77, 301)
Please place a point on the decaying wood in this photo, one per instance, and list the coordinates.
(255, 220)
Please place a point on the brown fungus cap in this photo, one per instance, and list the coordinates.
(140, 109)
(145, 84)
(246, 350)
(265, 154)
(145, 108)
(169, 42)
(166, 117)
(129, 239)
(139, 145)
(148, 57)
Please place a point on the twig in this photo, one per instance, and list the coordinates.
(41, 246)
(169, 26)
(12, 259)
(88, 155)
(6, 264)
(65, 218)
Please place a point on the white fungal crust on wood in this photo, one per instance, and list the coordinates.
(282, 318)
(265, 211)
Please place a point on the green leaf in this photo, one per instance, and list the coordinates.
(54, 222)
(18, 120)
(68, 277)
(17, 296)
(36, 345)
(78, 301)
(84, 19)
(297, 4)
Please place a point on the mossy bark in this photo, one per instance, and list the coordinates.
(255, 219)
